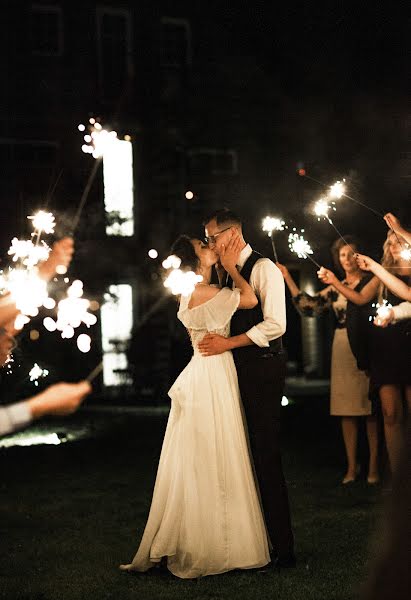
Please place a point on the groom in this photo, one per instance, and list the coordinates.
(257, 350)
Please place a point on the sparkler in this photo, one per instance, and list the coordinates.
(271, 224)
(382, 311)
(406, 253)
(28, 253)
(43, 221)
(36, 372)
(97, 141)
(299, 246)
(71, 312)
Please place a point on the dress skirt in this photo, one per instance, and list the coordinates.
(205, 515)
(349, 385)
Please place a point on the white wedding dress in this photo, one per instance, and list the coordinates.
(205, 514)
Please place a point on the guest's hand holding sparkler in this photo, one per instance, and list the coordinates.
(59, 399)
(365, 262)
(327, 276)
(385, 318)
(59, 259)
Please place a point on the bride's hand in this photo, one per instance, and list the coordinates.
(230, 254)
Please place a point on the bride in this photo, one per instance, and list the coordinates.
(205, 516)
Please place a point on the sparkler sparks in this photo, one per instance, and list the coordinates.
(337, 190)
(382, 311)
(182, 282)
(171, 262)
(36, 373)
(299, 246)
(43, 221)
(27, 252)
(98, 139)
(271, 224)
(71, 312)
(321, 208)
(28, 291)
(406, 253)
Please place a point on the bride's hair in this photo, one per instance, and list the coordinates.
(184, 249)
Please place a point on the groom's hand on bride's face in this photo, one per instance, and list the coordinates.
(213, 344)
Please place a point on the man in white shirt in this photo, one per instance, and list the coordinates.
(260, 361)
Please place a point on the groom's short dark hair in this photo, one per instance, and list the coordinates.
(224, 216)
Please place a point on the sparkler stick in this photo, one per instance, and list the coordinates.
(96, 371)
(85, 194)
(321, 209)
(376, 212)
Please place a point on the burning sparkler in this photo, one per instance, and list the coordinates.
(382, 311)
(271, 224)
(36, 373)
(71, 312)
(337, 190)
(299, 246)
(43, 221)
(406, 253)
(98, 139)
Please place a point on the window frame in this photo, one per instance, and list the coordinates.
(48, 8)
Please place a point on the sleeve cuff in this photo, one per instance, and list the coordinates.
(257, 337)
(18, 415)
(402, 311)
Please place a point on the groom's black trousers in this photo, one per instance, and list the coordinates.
(261, 381)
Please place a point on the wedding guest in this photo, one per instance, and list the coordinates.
(349, 397)
(390, 347)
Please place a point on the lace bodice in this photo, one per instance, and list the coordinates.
(213, 316)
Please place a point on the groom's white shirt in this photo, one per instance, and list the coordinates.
(268, 284)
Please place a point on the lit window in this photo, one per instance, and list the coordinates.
(176, 42)
(46, 29)
(114, 49)
(116, 326)
(119, 188)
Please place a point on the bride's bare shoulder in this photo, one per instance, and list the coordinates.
(201, 294)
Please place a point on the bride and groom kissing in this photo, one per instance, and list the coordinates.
(220, 500)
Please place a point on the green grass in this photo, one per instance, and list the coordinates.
(69, 515)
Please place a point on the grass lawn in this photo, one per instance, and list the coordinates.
(70, 514)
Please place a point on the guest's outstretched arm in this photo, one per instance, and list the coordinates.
(368, 292)
(393, 283)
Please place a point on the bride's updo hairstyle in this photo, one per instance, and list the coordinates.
(184, 249)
